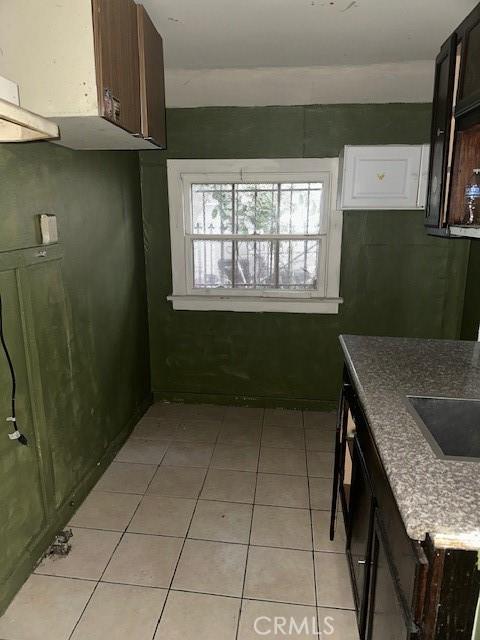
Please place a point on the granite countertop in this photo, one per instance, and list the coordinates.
(434, 496)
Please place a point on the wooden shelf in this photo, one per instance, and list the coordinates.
(458, 231)
(466, 159)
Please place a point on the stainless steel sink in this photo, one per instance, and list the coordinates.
(450, 425)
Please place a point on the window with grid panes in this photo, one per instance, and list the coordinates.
(249, 235)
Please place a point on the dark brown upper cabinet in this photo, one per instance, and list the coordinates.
(129, 64)
(469, 85)
(97, 71)
(152, 84)
(117, 62)
(455, 136)
(440, 136)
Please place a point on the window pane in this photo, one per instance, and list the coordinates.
(297, 264)
(255, 264)
(212, 208)
(272, 264)
(300, 208)
(212, 264)
(256, 208)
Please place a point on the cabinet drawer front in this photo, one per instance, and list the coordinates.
(381, 177)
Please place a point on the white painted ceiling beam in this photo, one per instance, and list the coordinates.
(376, 83)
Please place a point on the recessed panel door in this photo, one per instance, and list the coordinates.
(21, 496)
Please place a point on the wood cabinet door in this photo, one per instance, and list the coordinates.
(22, 490)
(469, 89)
(440, 135)
(116, 62)
(381, 177)
(387, 619)
(152, 83)
(359, 533)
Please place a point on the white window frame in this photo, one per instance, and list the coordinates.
(183, 173)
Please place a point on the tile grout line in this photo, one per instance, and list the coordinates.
(169, 588)
(116, 546)
(221, 425)
(240, 611)
(312, 533)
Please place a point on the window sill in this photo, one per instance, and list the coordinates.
(255, 304)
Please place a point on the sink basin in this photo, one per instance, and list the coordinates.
(450, 425)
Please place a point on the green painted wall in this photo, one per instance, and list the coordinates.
(395, 279)
(471, 311)
(77, 328)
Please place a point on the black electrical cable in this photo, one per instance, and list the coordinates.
(21, 438)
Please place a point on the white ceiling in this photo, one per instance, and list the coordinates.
(214, 34)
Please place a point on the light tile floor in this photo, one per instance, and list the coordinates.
(211, 524)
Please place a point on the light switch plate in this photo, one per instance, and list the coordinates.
(48, 228)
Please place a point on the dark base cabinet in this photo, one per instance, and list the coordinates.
(386, 617)
(403, 589)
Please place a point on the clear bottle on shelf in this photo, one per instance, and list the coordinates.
(471, 215)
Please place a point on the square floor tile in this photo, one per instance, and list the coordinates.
(159, 515)
(338, 624)
(166, 411)
(244, 415)
(283, 437)
(144, 560)
(281, 527)
(125, 477)
(277, 620)
(106, 510)
(283, 417)
(333, 581)
(236, 458)
(321, 533)
(197, 431)
(177, 482)
(155, 429)
(282, 491)
(232, 486)
(45, 607)
(211, 567)
(281, 575)
(201, 412)
(188, 454)
(326, 420)
(283, 461)
(320, 464)
(318, 440)
(222, 521)
(121, 612)
(321, 493)
(195, 616)
(91, 550)
(142, 451)
(238, 433)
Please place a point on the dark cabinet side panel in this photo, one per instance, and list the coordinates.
(440, 135)
(152, 83)
(116, 61)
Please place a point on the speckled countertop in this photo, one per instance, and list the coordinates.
(439, 497)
